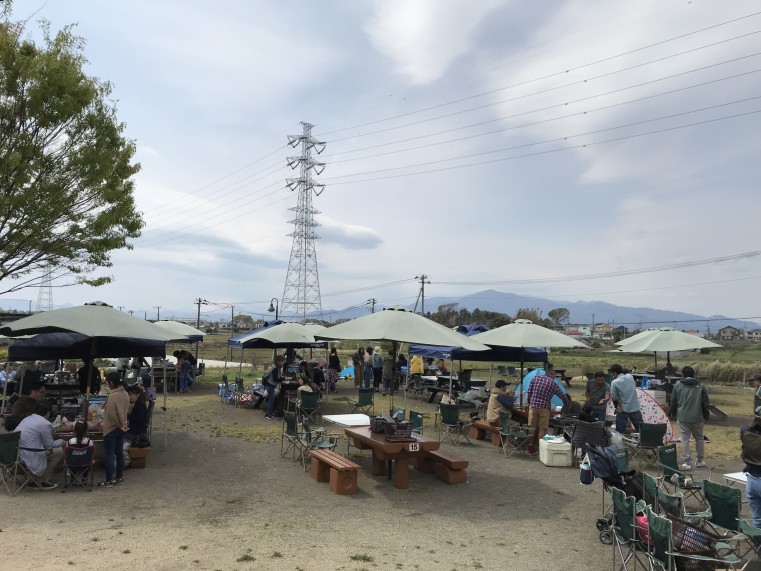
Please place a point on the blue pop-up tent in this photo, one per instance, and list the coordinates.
(556, 401)
(495, 354)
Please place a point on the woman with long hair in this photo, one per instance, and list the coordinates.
(334, 368)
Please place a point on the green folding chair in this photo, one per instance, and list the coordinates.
(450, 425)
(416, 418)
(680, 480)
(645, 449)
(365, 401)
(627, 545)
(510, 439)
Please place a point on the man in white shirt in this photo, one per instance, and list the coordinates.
(36, 439)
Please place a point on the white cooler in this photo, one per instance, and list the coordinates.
(555, 453)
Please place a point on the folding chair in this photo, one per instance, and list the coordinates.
(650, 490)
(9, 462)
(397, 413)
(586, 433)
(695, 548)
(723, 518)
(151, 405)
(645, 449)
(510, 440)
(660, 554)
(627, 545)
(450, 425)
(309, 406)
(501, 371)
(290, 435)
(364, 402)
(673, 476)
(416, 418)
(512, 371)
(314, 440)
(78, 463)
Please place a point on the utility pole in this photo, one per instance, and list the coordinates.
(232, 320)
(199, 302)
(371, 302)
(423, 280)
(131, 311)
(119, 307)
(158, 312)
(593, 325)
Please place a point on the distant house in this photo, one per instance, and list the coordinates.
(729, 333)
(754, 335)
(577, 331)
(694, 332)
(620, 332)
(603, 331)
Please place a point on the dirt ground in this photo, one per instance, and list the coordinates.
(210, 501)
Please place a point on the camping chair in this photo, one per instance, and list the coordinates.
(290, 435)
(416, 418)
(416, 386)
(308, 405)
(151, 405)
(9, 462)
(501, 371)
(670, 504)
(364, 402)
(586, 433)
(650, 490)
(78, 462)
(510, 440)
(450, 425)
(397, 413)
(680, 480)
(627, 545)
(646, 447)
(512, 371)
(314, 440)
(660, 554)
(695, 548)
(723, 517)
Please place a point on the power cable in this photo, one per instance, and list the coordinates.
(546, 141)
(538, 153)
(548, 76)
(553, 106)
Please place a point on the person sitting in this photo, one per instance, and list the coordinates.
(80, 438)
(36, 439)
(25, 406)
(306, 378)
(499, 401)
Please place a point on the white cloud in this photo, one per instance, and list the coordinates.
(423, 37)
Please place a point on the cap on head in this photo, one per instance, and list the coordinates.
(500, 383)
(617, 369)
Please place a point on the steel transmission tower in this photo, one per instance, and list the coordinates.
(301, 294)
(45, 296)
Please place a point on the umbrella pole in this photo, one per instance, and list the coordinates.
(520, 380)
(164, 407)
(5, 392)
(393, 380)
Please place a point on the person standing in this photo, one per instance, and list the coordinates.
(541, 389)
(598, 395)
(623, 392)
(368, 370)
(272, 385)
(750, 438)
(388, 373)
(114, 426)
(334, 368)
(89, 372)
(499, 401)
(689, 406)
(358, 360)
(377, 368)
(755, 382)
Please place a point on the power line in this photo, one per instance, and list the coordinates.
(688, 264)
(548, 76)
(538, 153)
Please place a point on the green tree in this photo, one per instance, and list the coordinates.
(65, 166)
(534, 315)
(559, 316)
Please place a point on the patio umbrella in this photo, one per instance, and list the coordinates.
(665, 339)
(399, 325)
(106, 330)
(524, 333)
(180, 331)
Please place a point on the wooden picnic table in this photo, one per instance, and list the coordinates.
(398, 452)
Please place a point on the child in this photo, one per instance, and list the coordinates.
(79, 439)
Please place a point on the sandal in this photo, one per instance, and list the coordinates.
(106, 484)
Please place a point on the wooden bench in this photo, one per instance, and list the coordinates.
(330, 466)
(447, 466)
(479, 428)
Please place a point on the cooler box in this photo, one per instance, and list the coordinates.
(555, 453)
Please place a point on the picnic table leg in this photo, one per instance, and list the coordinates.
(401, 473)
(433, 396)
(379, 466)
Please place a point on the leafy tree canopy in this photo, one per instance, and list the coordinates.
(66, 170)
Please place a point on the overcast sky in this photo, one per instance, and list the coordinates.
(484, 142)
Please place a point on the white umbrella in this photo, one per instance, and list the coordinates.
(665, 340)
(524, 333)
(180, 331)
(399, 325)
(283, 333)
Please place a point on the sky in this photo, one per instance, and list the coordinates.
(549, 149)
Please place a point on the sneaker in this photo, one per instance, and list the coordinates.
(119, 482)
(268, 417)
(47, 485)
(106, 484)
(701, 465)
(686, 466)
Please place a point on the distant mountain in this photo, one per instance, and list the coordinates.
(587, 312)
